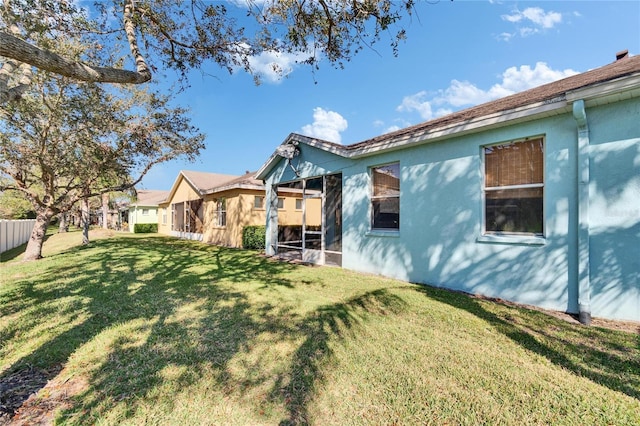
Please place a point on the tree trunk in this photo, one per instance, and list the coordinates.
(64, 222)
(34, 246)
(85, 221)
(105, 210)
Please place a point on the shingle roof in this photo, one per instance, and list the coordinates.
(204, 181)
(247, 180)
(620, 68)
(150, 197)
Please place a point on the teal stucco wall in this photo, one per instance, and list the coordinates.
(614, 197)
(440, 240)
(441, 213)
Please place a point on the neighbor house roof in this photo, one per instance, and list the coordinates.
(150, 197)
(246, 181)
(211, 183)
(617, 78)
(203, 181)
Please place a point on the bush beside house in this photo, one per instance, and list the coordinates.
(253, 237)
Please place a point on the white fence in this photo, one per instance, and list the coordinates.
(14, 232)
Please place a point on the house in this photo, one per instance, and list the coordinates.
(215, 208)
(531, 198)
(145, 208)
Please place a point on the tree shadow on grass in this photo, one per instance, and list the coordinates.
(326, 324)
(606, 357)
(112, 283)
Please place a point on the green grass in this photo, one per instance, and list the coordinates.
(143, 329)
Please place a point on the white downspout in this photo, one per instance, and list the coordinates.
(584, 284)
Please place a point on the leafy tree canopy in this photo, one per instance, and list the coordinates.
(183, 35)
(65, 141)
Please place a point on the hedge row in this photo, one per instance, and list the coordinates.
(145, 228)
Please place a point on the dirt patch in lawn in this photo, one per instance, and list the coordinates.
(31, 396)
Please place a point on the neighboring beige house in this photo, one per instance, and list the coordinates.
(214, 208)
(145, 208)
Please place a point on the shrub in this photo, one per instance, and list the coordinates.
(253, 237)
(145, 228)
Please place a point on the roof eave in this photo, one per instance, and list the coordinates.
(274, 159)
(613, 90)
(594, 94)
(234, 186)
(490, 121)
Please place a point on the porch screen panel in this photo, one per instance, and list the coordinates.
(178, 217)
(196, 216)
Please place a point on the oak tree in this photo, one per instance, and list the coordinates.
(183, 35)
(65, 141)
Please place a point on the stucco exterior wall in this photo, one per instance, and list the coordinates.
(241, 212)
(614, 209)
(184, 192)
(441, 214)
(137, 215)
(164, 227)
(440, 240)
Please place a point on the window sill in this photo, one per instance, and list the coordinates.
(383, 233)
(523, 240)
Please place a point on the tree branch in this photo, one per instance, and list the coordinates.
(130, 31)
(19, 50)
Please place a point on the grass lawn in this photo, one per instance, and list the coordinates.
(143, 329)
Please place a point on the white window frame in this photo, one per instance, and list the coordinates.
(374, 230)
(280, 203)
(512, 237)
(258, 205)
(220, 213)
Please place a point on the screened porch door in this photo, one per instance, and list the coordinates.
(320, 236)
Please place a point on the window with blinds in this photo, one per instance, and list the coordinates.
(385, 197)
(514, 187)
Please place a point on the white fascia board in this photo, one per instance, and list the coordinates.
(610, 91)
(174, 187)
(614, 90)
(193, 185)
(234, 186)
(267, 166)
(300, 139)
(526, 113)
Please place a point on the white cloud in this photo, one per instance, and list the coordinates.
(533, 21)
(541, 18)
(505, 36)
(326, 125)
(464, 93)
(273, 66)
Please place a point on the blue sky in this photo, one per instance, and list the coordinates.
(457, 54)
